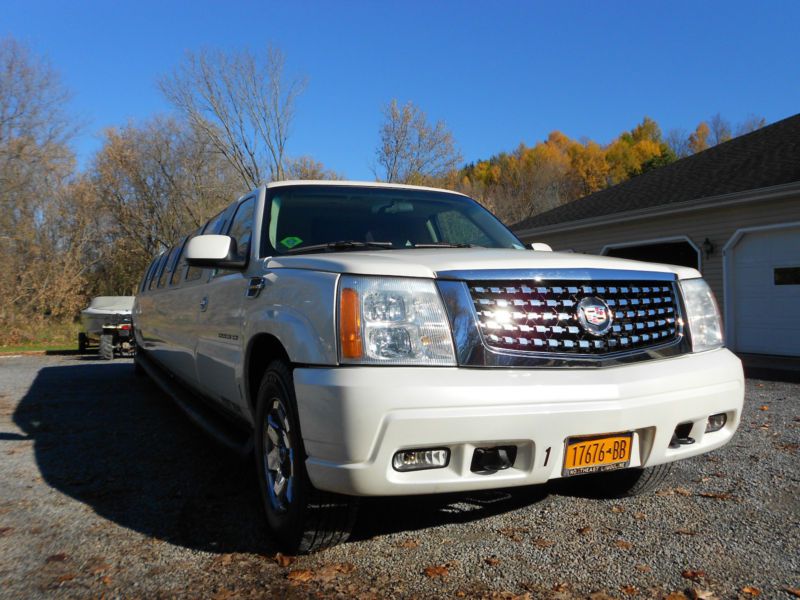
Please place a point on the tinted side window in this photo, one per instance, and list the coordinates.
(157, 271)
(242, 226)
(241, 230)
(168, 265)
(178, 264)
(147, 273)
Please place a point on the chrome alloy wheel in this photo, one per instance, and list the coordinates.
(278, 456)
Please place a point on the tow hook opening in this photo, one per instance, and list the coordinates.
(680, 436)
(486, 461)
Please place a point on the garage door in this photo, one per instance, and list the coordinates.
(766, 292)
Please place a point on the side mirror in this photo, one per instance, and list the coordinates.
(541, 247)
(214, 251)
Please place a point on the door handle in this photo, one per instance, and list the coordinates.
(204, 304)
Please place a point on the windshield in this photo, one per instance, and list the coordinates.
(349, 218)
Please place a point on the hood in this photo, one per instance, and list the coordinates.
(435, 262)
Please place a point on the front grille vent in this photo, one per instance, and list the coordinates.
(540, 317)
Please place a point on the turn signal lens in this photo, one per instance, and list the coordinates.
(350, 324)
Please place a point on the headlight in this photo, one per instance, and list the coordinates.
(390, 320)
(702, 315)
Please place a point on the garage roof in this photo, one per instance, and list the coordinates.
(764, 158)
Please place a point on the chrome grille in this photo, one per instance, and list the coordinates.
(531, 316)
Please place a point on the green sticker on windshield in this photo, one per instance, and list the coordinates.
(291, 242)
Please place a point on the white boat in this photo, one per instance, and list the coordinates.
(105, 310)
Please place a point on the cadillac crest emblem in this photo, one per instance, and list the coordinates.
(594, 315)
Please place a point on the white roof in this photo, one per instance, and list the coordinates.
(366, 184)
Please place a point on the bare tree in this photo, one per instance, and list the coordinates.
(305, 167)
(243, 103)
(719, 129)
(411, 150)
(35, 162)
(678, 142)
(750, 124)
(156, 183)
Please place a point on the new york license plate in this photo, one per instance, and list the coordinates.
(597, 453)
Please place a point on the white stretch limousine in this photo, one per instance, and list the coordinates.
(368, 339)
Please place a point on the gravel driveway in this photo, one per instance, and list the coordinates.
(107, 490)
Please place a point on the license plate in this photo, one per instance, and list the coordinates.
(597, 453)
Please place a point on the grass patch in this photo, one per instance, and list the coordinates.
(40, 336)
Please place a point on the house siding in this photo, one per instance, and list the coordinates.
(716, 224)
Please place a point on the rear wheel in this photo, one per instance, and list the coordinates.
(302, 517)
(107, 346)
(82, 342)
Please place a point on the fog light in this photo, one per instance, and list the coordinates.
(716, 422)
(417, 460)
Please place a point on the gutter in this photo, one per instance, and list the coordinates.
(775, 192)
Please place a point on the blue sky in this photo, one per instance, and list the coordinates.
(497, 73)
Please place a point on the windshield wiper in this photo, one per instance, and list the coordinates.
(340, 245)
(445, 245)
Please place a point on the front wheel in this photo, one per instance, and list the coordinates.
(302, 517)
(626, 483)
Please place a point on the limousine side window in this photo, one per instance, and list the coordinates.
(241, 230)
(157, 270)
(168, 266)
(177, 264)
(147, 274)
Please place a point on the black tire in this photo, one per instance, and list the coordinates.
(138, 370)
(303, 518)
(107, 346)
(626, 483)
(82, 343)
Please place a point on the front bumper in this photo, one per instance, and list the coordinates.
(354, 419)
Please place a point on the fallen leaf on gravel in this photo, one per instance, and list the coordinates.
(644, 568)
(561, 587)
(683, 491)
(792, 591)
(513, 533)
(716, 495)
(543, 543)
(106, 580)
(409, 543)
(684, 531)
(330, 572)
(492, 560)
(5, 530)
(99, 568)
(225, 559)
(223, 595)
(584, 530)
(436, 571)
(60, 557)
(300, 575)
(639, 516)
(676, 596)
(693, 574)
(282, 560)
(600, 596)
(763, 407)
(623, 545)
(703, 595)
(66, 577)
(617, 508)
(628, 590)
(751, 591)
(788, 447)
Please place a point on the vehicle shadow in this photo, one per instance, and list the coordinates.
(114, 441)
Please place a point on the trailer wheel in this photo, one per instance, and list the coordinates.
(107, 346)
(82, 343)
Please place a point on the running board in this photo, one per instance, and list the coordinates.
(217, 426)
